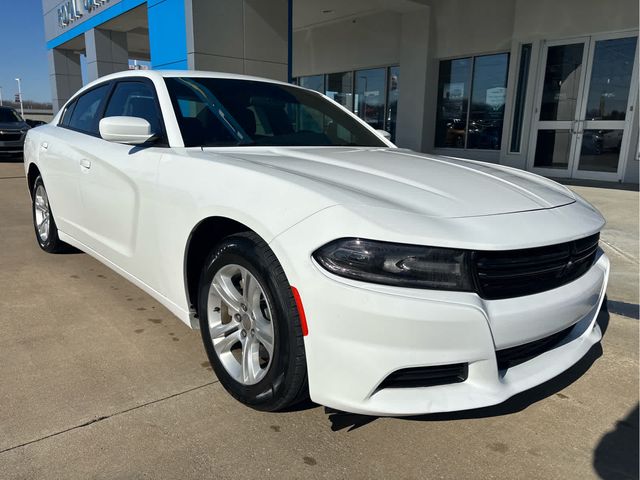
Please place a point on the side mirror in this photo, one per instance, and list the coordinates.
(384, 133)
(129, 130)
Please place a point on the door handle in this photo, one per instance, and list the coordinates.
(44, 145)
(85, 164)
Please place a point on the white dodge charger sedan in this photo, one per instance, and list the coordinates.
(316, 258)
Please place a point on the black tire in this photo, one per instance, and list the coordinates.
(52, 243)
(285, 381)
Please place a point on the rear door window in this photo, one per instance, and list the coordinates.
(85, 115)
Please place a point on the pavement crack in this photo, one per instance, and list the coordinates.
(106, 417)
(620, 252)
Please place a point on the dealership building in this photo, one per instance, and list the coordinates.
(550, 86)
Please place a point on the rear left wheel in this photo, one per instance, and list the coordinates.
(43, 221)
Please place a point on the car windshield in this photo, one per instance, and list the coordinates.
(224, 112)
(8, 115)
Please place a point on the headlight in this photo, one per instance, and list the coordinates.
(397, 264)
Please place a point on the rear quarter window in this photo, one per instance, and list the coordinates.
(67, 114)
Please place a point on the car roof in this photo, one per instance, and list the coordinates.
(157, 74)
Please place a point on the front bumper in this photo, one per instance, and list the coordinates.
(12, 142)
(12, 148)
(366, 332)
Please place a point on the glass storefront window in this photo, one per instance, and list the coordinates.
(340, 88)
(482, 81)
(453, 101)
(393, 85)
(374, 98)
(489, 89)
(370, 96)
(521, 95)
(312, 82)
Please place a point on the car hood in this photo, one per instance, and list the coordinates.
(409, 181)
(13, 125)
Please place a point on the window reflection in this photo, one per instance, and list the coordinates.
(313, 82)
(340, 88)
(561, 82)
(453, 100)
(370, 91)
(552, 149)
(600, 150)
(487, 101)
(521, 92)
(372, 94)
(611, 78)
(471, 119)
(392, 101)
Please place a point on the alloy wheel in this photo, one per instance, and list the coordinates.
(42, 213)
(240, 324)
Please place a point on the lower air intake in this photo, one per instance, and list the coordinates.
(513, 356)
(426, 376)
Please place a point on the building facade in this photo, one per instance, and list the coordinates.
(546, 86)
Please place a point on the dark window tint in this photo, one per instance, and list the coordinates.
(471, 98)
(340, 88)
(521, 93)
(312, 82)
(370, 96)
(611, 79)
(84, 117)
(393, 85)
(9, 115)
(198, 123)
(489, 88)
(219, 112)
(67, 114)
(561, 82)
(134, 99)
(453, 102)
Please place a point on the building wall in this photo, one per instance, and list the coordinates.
(464, 27)
(351, 44)
(567, 18)
(238, 36)
(459, 28)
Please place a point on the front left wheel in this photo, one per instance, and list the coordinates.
(43, 221)
(250, 324)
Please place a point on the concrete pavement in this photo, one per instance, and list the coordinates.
(97, 380)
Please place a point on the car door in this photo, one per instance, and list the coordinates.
(117, 185)
(63, 150)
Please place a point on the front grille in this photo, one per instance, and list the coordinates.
(10, 136)
(426, 376)
(510, 357)
(514, 273)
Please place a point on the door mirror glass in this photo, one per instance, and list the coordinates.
(128, 130)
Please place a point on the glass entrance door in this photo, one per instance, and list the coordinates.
(602, 127)
(554, 141)
(584, 101)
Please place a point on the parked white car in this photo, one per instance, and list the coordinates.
(315, 256)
